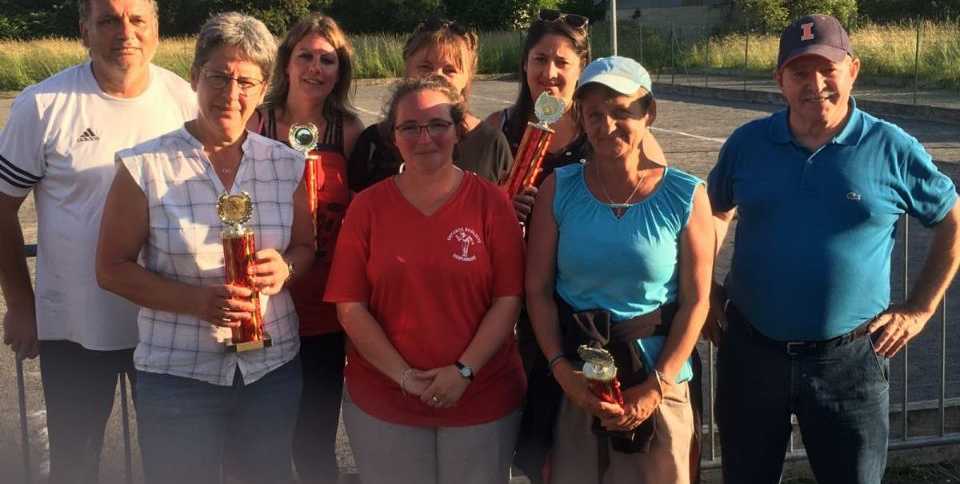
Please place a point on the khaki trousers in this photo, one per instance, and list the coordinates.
(388, 453)
(575, 449)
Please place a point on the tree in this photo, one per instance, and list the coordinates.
(771, 16)
(364, 16)
(758, 16)
(896, 10)
(844, 10)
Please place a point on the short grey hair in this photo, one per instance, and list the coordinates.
(83, 8)
(234, 29)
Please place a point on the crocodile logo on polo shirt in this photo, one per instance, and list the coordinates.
(466, 238)
(88, 135)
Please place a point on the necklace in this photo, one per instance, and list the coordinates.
(226, 170)
(619, 208)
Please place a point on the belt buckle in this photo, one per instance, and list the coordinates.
(794, 348)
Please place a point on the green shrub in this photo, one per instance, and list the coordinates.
(770, 16)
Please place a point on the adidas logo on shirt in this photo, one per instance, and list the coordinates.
(88, 135)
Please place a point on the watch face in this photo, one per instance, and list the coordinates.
(465, 371)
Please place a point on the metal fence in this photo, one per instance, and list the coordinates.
(915, 62)
(924, 410)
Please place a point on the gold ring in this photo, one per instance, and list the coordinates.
(435, 399)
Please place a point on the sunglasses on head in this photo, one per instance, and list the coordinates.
(438, 23)
(570, 19)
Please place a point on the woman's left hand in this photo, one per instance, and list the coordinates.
(639, 403)
(447, 387)
(269, 272)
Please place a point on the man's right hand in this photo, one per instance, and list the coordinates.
(20, 331)
(716, 319)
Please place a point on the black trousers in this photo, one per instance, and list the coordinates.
(314, 440)
(78, 387)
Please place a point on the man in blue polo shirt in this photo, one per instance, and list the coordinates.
(818, 189)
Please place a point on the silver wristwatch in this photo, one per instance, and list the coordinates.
(465, 371)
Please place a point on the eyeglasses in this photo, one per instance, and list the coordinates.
(571, 19)
(219, 81)
(411, 131)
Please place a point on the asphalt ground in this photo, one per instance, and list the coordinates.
(691, 132)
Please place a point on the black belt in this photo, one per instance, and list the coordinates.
(792, 348)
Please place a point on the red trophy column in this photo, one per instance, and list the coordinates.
(239, 253)
(527, 165)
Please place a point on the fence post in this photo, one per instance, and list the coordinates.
(125, 425)
(905, 352)
(943, 367)
(24, 432)
(641, 45)
(673, 57)
(916, 62)
(706, 62)
(613, 27)
(746, 54)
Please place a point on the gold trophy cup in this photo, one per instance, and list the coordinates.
(527, 165)
(601, 373)
(239, 253)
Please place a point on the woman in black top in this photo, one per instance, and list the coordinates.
(445, 49)
(556, 49)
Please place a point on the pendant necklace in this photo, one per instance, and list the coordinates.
(618, 208)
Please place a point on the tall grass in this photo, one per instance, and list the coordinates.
(887, 52)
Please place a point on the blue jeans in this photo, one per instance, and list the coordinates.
(840, 397)
(194, 432)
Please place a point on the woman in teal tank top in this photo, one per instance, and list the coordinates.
(629, 237)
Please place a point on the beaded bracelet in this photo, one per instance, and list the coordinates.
(403, 379)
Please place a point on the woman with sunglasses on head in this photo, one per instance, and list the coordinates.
(427, 278)
(446, 49)
(641, 290)
(311, 84)
(556, 49)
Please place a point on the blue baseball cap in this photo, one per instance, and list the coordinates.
(622, 74)
(820, 35)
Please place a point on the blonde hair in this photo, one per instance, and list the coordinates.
(451, 39)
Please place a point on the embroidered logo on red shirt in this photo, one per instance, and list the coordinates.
(467, 238)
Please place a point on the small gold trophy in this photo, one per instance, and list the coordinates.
(600, 370)
(303, 138)
(527, 165)
(239, 253)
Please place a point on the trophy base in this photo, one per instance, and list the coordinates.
(266, 342)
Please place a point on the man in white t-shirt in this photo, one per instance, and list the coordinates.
(59, 142)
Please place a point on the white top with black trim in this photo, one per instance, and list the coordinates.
(59, 142)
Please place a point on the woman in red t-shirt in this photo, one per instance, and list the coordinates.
(427, 278)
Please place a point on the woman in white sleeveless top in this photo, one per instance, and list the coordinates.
(198, 405)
